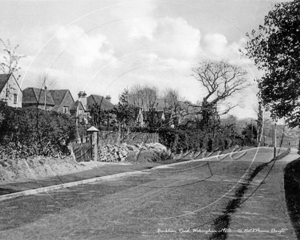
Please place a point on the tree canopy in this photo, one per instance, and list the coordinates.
(275, 49)
(10, 63)
(143, 96)
(220, 80)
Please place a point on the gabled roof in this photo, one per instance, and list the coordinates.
(3, 80)
(97, 99)
(37, 96)
(74, 106)
(58, 96)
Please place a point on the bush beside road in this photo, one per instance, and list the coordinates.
(292, 193)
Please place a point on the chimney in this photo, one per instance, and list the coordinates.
(82, 99)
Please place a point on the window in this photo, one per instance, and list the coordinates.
(15, 98)
(66, 109)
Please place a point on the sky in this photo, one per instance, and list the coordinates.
(104, 46)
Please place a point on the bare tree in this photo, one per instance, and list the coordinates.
(10, 64)
(143, 96)
(45, 83)
(221, 80)
(171, 100)
(11, 59)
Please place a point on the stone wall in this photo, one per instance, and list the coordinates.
(132, 138)
(120, 153)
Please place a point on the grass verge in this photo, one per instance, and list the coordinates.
(292, 189)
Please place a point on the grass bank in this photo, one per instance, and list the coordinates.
(292, 190)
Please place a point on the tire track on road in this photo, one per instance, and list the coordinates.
(222, 223)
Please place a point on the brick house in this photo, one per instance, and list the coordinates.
(82, 107)
(59, 101)
(63, 100)
(78, 110)
(10, 91)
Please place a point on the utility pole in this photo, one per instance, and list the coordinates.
(275, 139)
(251, 130)
(45, 97)
(77, 118)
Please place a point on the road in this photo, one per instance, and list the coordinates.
(191, 200)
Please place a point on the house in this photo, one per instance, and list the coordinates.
(36, 97)
(166, 114)
(88, 102)
(140, 117)
(63, 100)
(104, 103)
(10, 91)
(78, 110)
(82, 107)
(153, 117)
(59, 101)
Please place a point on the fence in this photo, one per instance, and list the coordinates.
(82, 149)
(83, 139)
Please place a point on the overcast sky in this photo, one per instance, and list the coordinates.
(104, 46)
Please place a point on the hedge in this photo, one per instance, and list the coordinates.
(31, 131)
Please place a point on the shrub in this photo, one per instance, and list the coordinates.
(193, 139)
(31, 131)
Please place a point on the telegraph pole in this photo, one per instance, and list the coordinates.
(275, 139)
(45, 98)
(251, 130)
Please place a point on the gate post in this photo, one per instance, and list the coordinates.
(94, 132)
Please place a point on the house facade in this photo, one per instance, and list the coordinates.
(10, 91)
(60, 101)
(79, 111)
(63, 100)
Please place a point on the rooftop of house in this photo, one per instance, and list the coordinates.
(3, 80)
(75, 105)
(58, 96)
(97, 99)
(34, 95)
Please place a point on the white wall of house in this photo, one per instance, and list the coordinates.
(15, 95)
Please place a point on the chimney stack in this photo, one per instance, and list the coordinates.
(82, 99)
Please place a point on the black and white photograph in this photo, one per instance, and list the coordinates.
(149, 119)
